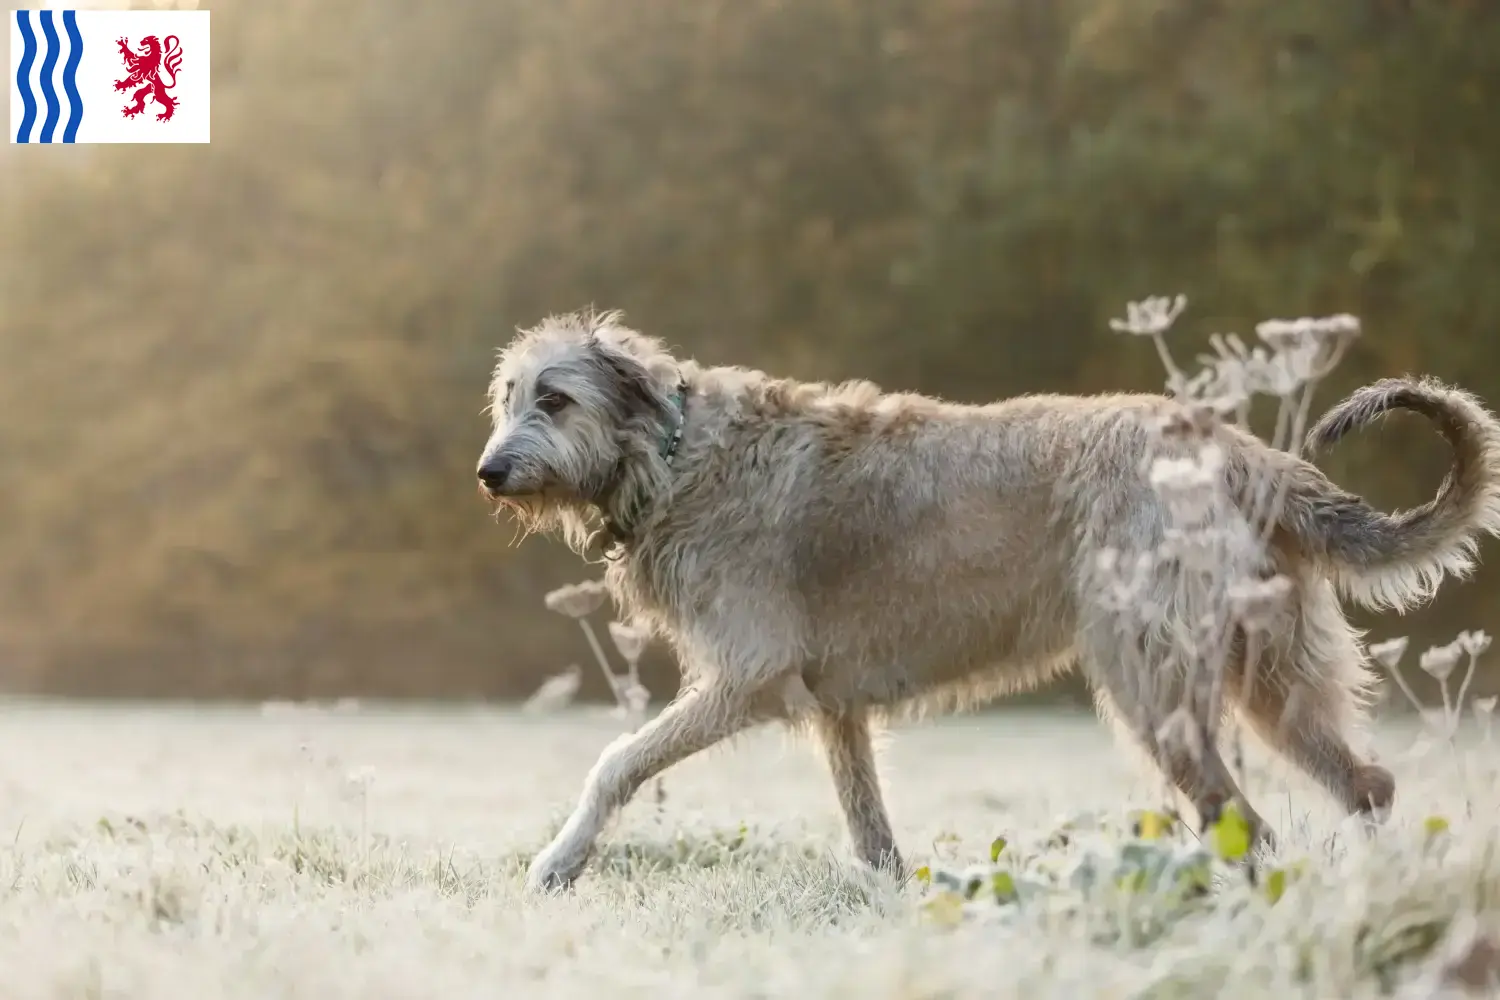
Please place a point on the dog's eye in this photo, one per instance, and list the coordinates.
(552, 402)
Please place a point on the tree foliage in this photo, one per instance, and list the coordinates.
(244, 381)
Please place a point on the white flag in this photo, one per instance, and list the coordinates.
(109, 76)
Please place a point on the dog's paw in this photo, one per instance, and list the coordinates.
(551, 873)
(548, 883)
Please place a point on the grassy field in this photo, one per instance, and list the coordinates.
(379, 853)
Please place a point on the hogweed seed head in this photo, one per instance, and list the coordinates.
(1179, 735)
(1474, 643)
(1222, 387)
(629, 640)
(1151, 316)
(1189, 485)
(1194, 418)
(1259, 604)
(1388, 653)
(577, 600)
(1439, 661)
(1122, 583)
(1197, 550)
(556, 692)
(1288, 370)
(636, 698)
(1279, 333)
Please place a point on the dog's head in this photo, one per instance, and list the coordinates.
(575, 400)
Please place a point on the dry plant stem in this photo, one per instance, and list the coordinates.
(1411, 695)
(609, 675)
(1214, 663)
(1175, 380)
(1247, 683)
(1265, 502)
(1299, 427)
(1291, 423)
(1463, 689)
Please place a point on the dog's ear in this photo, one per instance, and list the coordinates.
(632, 384)
(634, 387)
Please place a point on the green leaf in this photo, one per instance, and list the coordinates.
(1230, 834)
(1003, 884)
(946, 909)
(1192, 876)
(1152, 825)
(923, 875)
(1275, 885)
(1435, 825)
(996, 846)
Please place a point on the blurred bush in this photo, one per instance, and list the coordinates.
(243, 382)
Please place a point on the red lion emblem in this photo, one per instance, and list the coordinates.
(146, 67)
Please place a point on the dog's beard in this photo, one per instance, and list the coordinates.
(528, 511)
(544, 513)
(572, 500)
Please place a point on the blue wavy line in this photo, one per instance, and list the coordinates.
(70, 76)
(23, 75)
(49, 63)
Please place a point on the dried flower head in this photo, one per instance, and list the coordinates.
(1474, 643)
(1179, 735)
(1388, 653)
(577, 600)
(1439, 661)
(1196, 418)
(1150, 316)
(1221, 388)
(1259, 605)
(556, 692)
(1484, 708)
(629, 640)
(1190, 486)
(1122, 583)
(636, 698)
(1282, 333)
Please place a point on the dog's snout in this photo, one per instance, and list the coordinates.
(494, 471)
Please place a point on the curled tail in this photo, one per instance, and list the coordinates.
(1396, 560)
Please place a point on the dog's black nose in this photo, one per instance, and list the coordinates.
(494, 472)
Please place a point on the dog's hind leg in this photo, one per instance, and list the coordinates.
(851, 761)
(1295, 720)
(1303, 701)
(696, 720)
(1144, 698)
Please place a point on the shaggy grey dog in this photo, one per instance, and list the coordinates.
(825, 554)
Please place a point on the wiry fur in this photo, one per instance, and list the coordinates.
(827, 553)
(1397, 560)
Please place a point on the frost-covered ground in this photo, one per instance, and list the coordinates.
(199, 854)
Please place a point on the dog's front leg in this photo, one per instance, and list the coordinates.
(851, 762)
(698, 719)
